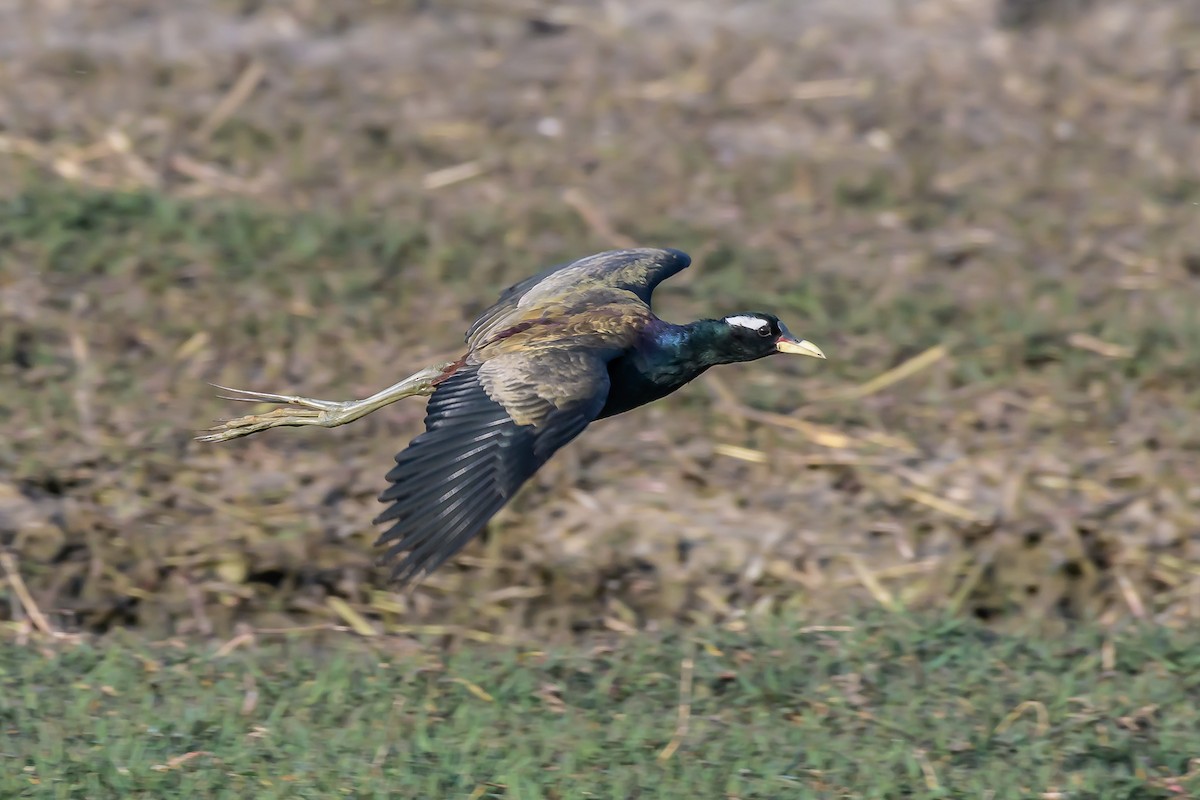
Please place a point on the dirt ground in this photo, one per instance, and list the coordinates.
(986, 216)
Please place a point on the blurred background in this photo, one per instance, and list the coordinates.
(986, 214)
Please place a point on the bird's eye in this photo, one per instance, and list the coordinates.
(765, 331)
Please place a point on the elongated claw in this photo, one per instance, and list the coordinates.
(253, 423)
(310, 411)
(248, 396)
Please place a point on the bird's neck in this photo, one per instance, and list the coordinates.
(682, 352)
(667, 357)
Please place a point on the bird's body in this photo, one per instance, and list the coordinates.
(568, 346)
(572, 345)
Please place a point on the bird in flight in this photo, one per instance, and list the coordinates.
(570, 345)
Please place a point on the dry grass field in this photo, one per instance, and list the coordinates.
(987, 216)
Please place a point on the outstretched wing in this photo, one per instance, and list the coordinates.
(488, 428)
(637, 271)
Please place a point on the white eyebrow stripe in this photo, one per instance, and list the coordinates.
(753, 323)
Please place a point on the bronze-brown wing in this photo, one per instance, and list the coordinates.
(637, 271)
(488, 428)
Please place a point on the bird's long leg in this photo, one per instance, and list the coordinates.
(309, 411)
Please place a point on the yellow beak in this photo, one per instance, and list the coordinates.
(802, 347)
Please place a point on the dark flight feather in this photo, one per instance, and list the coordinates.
(473, 457)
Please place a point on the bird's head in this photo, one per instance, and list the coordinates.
(754, 335)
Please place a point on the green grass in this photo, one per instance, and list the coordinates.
(894, 707)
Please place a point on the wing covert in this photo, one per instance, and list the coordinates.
(637, 271)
